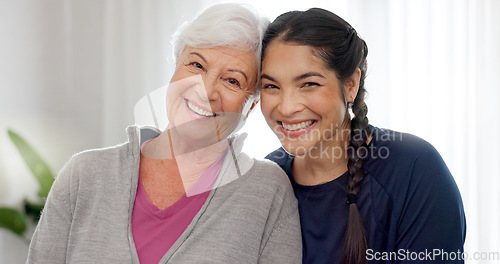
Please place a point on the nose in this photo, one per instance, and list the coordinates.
(211, 85)
(290, 103)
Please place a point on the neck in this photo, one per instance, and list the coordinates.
(191, 160)
(324, 163)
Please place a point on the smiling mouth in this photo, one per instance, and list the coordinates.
(199, 111)
(298, 126)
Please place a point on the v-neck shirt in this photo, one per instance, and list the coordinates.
(155, 230)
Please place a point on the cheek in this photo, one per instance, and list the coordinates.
(173, 95)
(233, 101)
(178, 74)
(171, 103)
(331, 107)
(266, 105)
(177, 90)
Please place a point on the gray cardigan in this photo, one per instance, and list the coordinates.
(250, 217)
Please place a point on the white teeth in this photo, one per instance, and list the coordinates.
(199, 111)
(296, 126)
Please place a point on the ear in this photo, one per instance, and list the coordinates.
(255, 102)
(351, 86)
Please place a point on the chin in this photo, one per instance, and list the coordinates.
(195, 134)
(296, 149)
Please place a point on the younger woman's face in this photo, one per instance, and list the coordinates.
(301, 99)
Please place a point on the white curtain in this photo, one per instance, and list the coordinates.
(72, 70)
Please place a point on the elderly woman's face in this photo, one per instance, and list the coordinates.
(209, 89)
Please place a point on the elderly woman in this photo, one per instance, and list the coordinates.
(187, 195)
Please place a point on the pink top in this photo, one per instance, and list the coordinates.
(155, 230)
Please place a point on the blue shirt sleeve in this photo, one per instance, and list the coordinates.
(432, 217)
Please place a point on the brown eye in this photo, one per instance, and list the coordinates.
(233, 82)
(197, 65)
(310, 84)
(270, 86)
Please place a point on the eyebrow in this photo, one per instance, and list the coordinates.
(298, 78)
(199, 55)
(309, 74)
(241, 72)
(265, 76)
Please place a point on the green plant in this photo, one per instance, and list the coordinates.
(14, 219)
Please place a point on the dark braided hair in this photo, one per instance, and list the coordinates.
(343, 51)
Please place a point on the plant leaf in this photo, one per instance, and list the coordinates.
(33, 210)
(36, 164)
(12, 220)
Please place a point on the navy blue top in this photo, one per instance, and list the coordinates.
(409, 203)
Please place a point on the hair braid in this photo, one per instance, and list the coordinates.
(355, 236)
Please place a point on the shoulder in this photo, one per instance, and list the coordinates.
(91, 165)
(282, 159)
(421, 187)
(269, 173)
(83, 173)
(396, 150)
(406, 165)
(401, 143)
(268, 186)
(95, 169)
(262, 190)
(279, 156)
(264, 184)
(107, 156)
(101, 158)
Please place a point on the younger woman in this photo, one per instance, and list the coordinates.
(365, 193)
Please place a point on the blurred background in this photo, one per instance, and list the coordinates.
(71, 72)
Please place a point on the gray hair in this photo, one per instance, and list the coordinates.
(222, 25)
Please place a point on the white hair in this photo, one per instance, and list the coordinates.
(222, 25)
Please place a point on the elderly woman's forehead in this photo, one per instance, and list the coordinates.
(229, 50)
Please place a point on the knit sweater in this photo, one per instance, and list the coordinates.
(249, 217)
